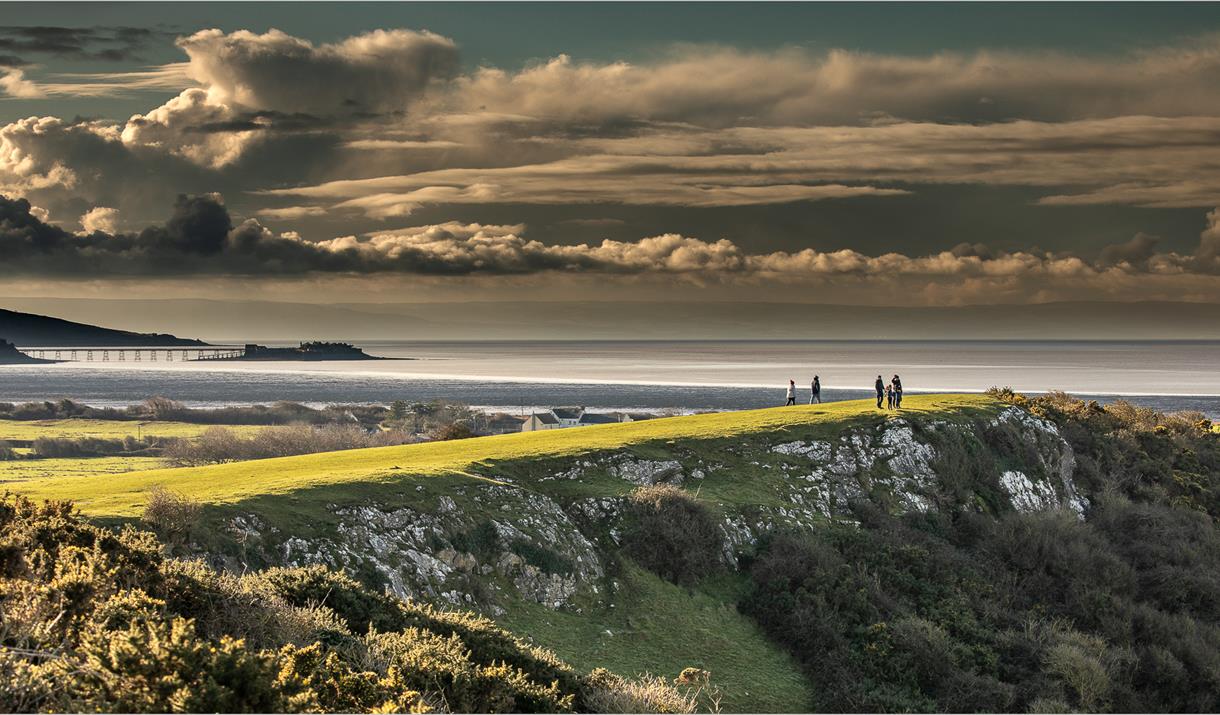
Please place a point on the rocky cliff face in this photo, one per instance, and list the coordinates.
(548, 531)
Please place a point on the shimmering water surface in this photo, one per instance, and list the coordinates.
(672, 375)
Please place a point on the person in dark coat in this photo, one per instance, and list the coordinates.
(815, 391)
(880, 391)
(897, 382)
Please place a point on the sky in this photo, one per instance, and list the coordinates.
(911, 154)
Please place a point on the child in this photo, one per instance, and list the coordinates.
(889, 397)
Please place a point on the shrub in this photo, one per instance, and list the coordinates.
(171, 515)
(165, 667)
(606, 692)
(453, 430)
(670, 533)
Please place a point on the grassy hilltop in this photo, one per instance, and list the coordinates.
(125, 495)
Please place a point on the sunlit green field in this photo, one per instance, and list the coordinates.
(105, 429)
(19, 470)
(124, 494)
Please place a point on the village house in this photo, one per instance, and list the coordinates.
(560, 417)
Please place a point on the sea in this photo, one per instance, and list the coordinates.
(666, 376)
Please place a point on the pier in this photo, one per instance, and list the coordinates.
(135, 355)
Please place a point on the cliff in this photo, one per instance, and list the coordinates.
(545, 530)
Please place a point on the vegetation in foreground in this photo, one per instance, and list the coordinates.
(94, 620)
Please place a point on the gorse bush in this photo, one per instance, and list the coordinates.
(966, 610)
(97, 620)
(670, 533)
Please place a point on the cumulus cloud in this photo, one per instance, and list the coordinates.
(14, 84)
(100, 218)
(379, 71)
(176, 127)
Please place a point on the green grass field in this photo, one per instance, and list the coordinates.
(123, 495)
(105, 429)
(20, 470)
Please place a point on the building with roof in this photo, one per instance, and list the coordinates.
(560, 417)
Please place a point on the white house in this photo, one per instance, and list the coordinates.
(559, 417)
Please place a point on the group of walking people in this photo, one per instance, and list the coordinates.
(889, 394)
(815, 391)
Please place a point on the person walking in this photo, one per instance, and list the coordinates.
(791, 393)
(880, 391)
(815, 391)
(897, 382)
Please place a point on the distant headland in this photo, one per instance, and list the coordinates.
(28, 330)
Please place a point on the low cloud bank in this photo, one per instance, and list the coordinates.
(202, 238)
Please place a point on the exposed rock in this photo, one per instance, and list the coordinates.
(817, 451)
(647, 472)
(1028, 495)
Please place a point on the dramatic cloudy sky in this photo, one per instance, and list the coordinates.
(879, 154)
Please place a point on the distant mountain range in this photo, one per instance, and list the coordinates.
(27, 330)
(263, 321)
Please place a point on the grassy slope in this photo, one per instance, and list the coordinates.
(124, 494)
(657, 627)
(106, 429)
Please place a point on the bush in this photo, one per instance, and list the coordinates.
(670, 533)
(453, 430)
(171, 515)
(689, 693)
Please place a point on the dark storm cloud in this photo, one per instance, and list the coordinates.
(12, 61)
(96, 43)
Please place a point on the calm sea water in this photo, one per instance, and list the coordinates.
(681, 376)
